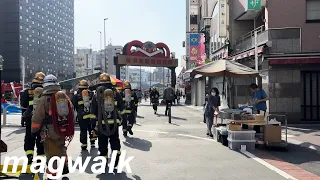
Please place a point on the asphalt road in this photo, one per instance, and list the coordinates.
(177, 151)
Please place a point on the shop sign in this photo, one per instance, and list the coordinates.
(222, 18)
(147, 61)
(253, 5)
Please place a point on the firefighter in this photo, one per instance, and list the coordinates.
(82, 102)
(106, 106)
(130, 101)
(27, 99)
(154, 96)
(23, 109)
(53, 118)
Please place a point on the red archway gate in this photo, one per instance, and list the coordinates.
(136, 53)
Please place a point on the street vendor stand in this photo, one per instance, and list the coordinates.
(229, 131)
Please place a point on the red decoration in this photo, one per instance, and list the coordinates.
(128, 60)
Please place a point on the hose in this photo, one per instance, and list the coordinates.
(103, 116)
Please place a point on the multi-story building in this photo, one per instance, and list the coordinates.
(88, 54)
(286, 47)
(81, 62)
(39, 31)
(183, 61)
(138, 77)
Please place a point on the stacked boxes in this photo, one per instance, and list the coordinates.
(238, 138)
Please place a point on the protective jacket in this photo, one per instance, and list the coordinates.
(130, 106)
(154, 95)
(104, 119)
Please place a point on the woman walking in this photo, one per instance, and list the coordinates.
(212, 109)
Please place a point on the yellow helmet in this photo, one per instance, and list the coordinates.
(104, 78)
(83, 84)
(38, 77)
(126, 85)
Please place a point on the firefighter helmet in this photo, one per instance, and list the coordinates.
(50, 80)
(83, 84)
(38, 77)
(104, 78)
(126, 85)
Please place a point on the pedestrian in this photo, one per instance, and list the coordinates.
(212, 109)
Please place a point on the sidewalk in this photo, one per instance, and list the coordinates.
(13, 120)
(307, 136)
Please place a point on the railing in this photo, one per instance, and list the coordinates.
(5, 114)
(286, 40)
(250, 34)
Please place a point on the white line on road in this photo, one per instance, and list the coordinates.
(264, 163)
(196, 137)
(160, 132)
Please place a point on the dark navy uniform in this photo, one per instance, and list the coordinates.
(30, 140)
(84, 119)
(129, 114)
(108, 123)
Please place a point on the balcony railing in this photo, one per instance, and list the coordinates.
(285, 40)
(204, 24)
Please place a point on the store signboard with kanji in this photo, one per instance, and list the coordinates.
(253, 5)
(147, 61)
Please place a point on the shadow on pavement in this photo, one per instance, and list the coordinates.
(300, 156)
(141, 117)
(137, 143)
(18, 131)
(173, 117)
(117, 176)
(84, 154)
(304, 129)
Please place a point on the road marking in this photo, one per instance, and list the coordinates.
(196, 137)
(160, 132)
(269, 166)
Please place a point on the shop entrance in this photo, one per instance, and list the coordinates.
(310, 107)
(136, 53)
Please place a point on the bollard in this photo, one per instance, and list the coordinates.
(5, 114)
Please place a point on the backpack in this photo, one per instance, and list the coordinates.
(62, 114)
(170, 93)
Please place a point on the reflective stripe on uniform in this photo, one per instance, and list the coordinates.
(122, 112)
(35, 125)
(119, 152)
(80, 102)
(116, 103)
(88, 116)
(41, 155)
(110, 121)
(127, 111)
(129, 124)
(29, 152)
(136, 104)
(30, 103)
(125, 98)
(83, 145)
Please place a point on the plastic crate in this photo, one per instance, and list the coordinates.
(241, 135)
(236, 145)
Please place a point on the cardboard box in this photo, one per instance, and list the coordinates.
(234, 127)
(272, 133)
(259, 117)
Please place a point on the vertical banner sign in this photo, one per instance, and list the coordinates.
(188, 45)
(202, 48)
(194, 47)
(253, 5)
(222, 18)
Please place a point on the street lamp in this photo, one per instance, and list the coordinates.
(105, 49)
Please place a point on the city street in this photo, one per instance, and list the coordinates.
(177, 151)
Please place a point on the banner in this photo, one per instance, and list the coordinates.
(194, 47)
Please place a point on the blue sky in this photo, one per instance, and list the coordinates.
(144, 20)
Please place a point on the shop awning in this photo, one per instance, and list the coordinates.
(225, 68)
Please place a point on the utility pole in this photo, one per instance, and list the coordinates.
(140, 77)
(256, 49)
(105, 49)
(23, 69)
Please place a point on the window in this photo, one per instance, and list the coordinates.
(313, 10)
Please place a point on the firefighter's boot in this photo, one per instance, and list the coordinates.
(83, 147)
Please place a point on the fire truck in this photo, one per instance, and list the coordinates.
(10, 91)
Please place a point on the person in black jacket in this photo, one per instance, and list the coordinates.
(27, 100)
(81, 103)
(107, 107)
(154, 97)
(130, 101)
